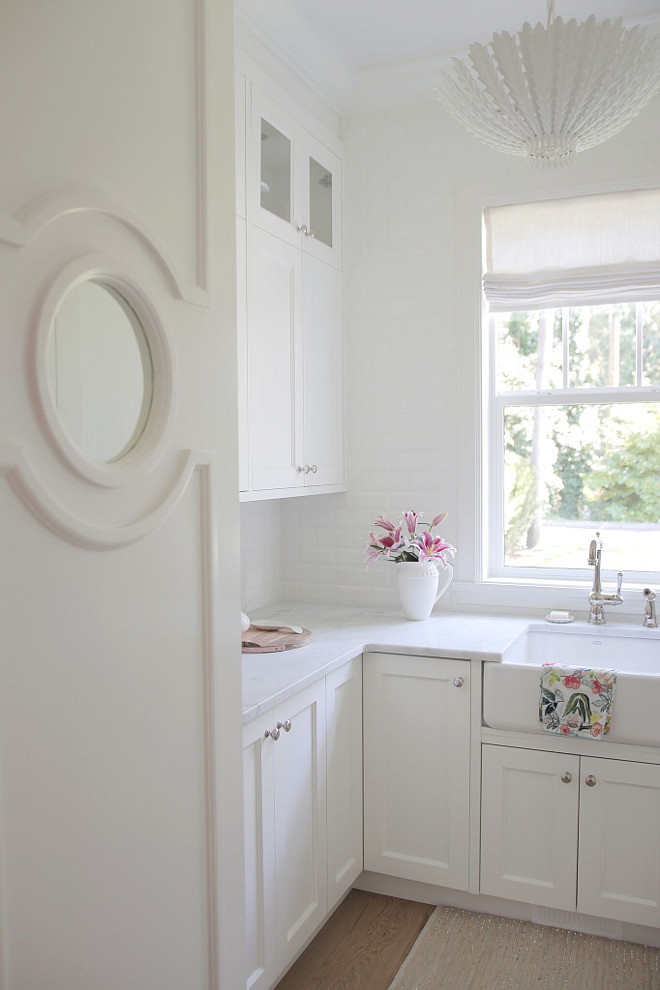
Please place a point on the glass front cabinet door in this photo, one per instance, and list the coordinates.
(294, 182)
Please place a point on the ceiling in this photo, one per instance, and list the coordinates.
(378, 32)
(334, 40)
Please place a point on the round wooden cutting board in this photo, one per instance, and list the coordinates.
(272, 641)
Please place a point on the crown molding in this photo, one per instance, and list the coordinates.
(297, 54)
(402, 82)
(320, 75)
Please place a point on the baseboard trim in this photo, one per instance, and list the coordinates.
(412, 890)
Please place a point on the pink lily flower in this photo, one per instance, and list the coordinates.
(411, 518)
(372, 553)
(391, 542)
(417, 544)
(434, 548)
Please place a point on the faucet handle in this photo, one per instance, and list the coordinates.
(650, 621)
(619, 582)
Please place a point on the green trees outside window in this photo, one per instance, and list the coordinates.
(580, 398)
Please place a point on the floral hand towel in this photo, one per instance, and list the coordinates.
(576, 700)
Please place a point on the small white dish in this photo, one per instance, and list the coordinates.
(561, 618)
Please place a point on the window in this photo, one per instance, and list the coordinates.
(574, 418)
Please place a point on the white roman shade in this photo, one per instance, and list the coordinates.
(582, 251)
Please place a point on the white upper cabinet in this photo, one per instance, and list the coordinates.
(323, 375)
(295, 368)
(290, 299)
(275, 353)
(294, 182)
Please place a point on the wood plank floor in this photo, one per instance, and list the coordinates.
(361, 946)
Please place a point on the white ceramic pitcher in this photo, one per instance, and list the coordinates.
(420, 586)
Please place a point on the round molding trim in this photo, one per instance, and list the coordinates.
(149, 447)
(72, 528)
(21, 229)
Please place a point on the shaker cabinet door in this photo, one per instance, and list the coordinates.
(343, 696)
(619, 875)
(322, 206)
(300, 820)
(417, 768)
(529, 814)
(285, 833)
(275, 356)
(259, 824)
(274, 185)
(323, 374)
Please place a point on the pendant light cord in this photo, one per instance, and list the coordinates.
(551, 11)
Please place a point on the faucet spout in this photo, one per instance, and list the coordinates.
(595, 549)
(597, 598)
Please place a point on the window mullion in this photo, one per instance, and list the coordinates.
(495, 527)
(639, 335)
(565, 326)
(581, 396)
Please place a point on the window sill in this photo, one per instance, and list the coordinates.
(515, 596)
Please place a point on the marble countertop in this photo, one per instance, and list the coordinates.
(341, 633)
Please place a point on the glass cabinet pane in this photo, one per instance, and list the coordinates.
(320, 202)
(275, 194)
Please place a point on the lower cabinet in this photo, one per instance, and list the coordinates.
(417, 768)
(302, 765)
(571, 832)
(343, 694)
(286, 873)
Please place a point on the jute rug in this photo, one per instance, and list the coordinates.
(461, 950)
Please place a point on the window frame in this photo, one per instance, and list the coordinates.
(472, 590)
(493, 453)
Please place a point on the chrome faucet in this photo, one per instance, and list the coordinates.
(597, 598)
(649, 609)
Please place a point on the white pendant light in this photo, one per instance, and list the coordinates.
(550, 92)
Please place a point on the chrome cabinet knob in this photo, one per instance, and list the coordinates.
(566, 777)
(302, 229)
(274, 734)
(590, 780)
(459, 682)
(286, 725)
(314, 468)
(303, 470)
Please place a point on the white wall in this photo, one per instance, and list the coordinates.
(261, 553)
(120, 696)
(412, 176)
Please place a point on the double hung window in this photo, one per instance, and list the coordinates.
(573, 384)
